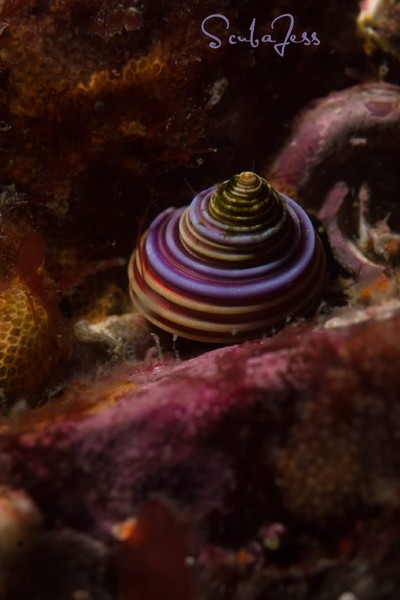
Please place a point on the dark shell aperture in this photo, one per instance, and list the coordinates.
(237, 262)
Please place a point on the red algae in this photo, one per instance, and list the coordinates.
(350, 121)
(282, 453)
(172, 430)
(151, 560)
(303, 428)
(329, 164)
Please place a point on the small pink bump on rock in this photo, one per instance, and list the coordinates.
(379, 109)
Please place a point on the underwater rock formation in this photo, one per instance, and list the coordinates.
(301, 430)
(100, 103)
(281, 454)
(329, 164)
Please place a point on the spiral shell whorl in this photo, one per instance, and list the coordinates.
(236, 262)
(244, 201)
(240, 221)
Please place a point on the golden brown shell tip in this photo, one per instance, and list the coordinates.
(239, 261)
(247, 178)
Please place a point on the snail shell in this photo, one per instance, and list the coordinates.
(238, 261)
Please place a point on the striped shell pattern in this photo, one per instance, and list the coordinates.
(236, 263)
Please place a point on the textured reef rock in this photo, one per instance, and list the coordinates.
(294, 439)
(268, 469)
(100, 103)
(330, 164)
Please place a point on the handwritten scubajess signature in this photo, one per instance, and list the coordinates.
(254, 41)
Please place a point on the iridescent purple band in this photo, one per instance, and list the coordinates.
(168, 259)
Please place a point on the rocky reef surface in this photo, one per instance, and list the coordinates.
(137, 465)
